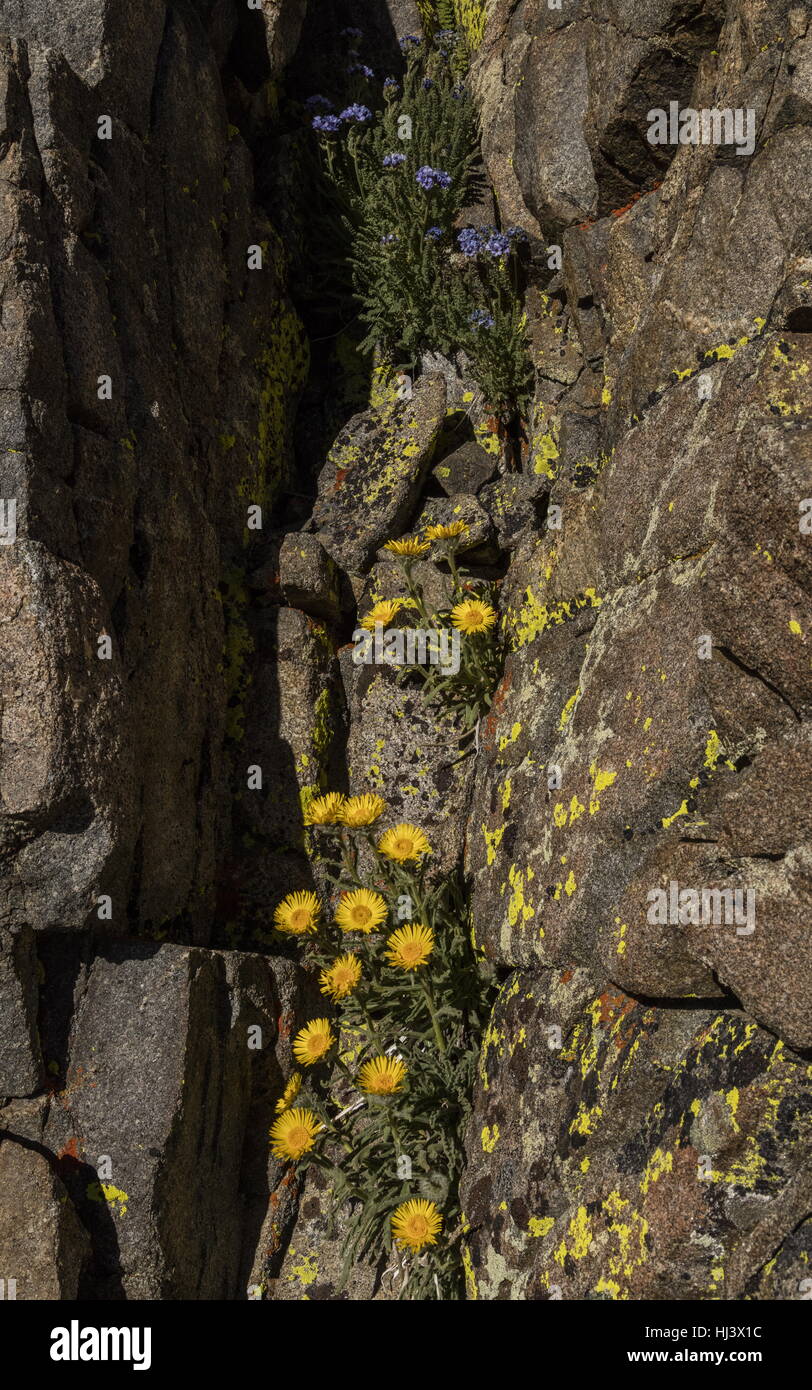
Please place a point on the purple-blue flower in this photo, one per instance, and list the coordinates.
(393, 161)
(327, 124)
(409, 41)
(457, 93)
(389, 238)
(362, 68)
(432, 178)
(391, 84)
(434, 233)
(315, 101)
(517, 233)
(356, 113)
(427, 84)
(470, 241)
(497, 244)
(481, 318)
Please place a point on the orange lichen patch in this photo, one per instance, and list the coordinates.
(612, 1008)
(618, 212)
(285, 1023)
(500, 694)
(566, 977)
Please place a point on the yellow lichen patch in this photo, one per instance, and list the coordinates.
(658, 1164)
(608, 1286)
(306, 1272)
(566, 713)
(113, 1196)
(490, 1138)
(471, 1288)
(507, 739)
(570, 885)
(518, 908)
(534, 616)
(580, 1238)
(669, 820)
(540, 1225)
(493, 839)
(795, 627)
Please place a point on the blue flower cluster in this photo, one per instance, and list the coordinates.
(389, 238)
(356, 113)
(481, 319)
(427, 84)
(316, 101)
(432, 178)
(434, 233)
(409, 41)
(472, 240)
(391, 84)
(327, 125)
(393, 161)
(362, 68)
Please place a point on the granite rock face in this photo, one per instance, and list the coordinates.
(176, 656)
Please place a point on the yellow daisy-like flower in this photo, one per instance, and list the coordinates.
(290, 1093)
(341, 977)
(416, 1223)
(404, 842)
(410, 546)
(447, 533)
(472, 615)
(362, 810)
(298, 914)
(410, 947)
(362, 910)
(294, 1133)
(325, 810)
(383, 1076)
(313, 1042)
(384, 612)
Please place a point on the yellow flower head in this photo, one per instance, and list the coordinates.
(416, 1223)
(341, 977)
(404, 842)
(472, 615)
(313, 1042)
(298, 914)
(325, 810)
(447, 533)
(362, 910)
(410, 546)
(383, 1076)
(290, 1093)
(362, 810)
(384, 612)
(294, 1133)
(410, 947)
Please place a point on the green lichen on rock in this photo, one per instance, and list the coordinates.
(282, 366)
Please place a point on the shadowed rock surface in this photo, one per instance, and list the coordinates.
(642, 1124)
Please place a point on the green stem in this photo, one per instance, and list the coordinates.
(435, 1023)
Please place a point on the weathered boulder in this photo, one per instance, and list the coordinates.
(160, 1122)
(371, 483)
(620, 1150)
(43, 1245)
